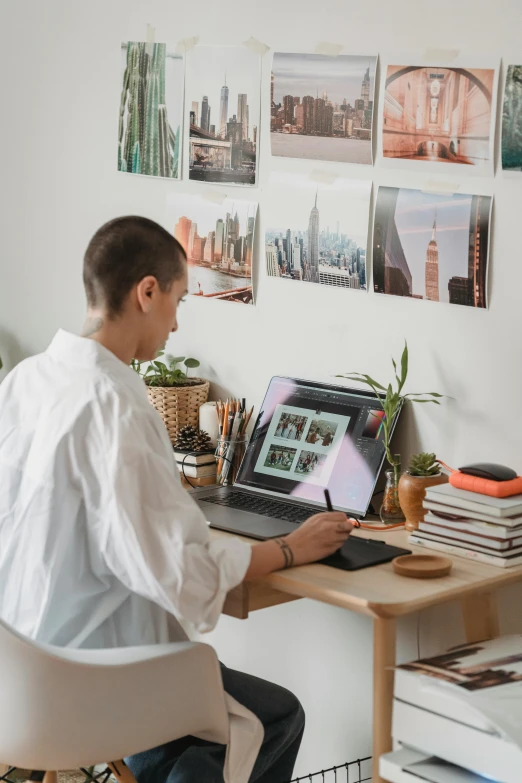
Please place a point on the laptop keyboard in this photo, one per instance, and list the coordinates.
(269, 508)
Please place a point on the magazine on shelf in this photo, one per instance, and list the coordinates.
(465, 706)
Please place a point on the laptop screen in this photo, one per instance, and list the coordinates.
(310, 436)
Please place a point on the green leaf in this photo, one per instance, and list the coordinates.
(363, 378)
(192, 363)
(423, 394)
(160, 353)
(404, 366)
(372, 382)
(435, 402)
(177, 359)
(396, 376)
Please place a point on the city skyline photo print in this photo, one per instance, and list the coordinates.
(439, 115)
(321, 107)
(432, 246)
(219, 242)
(317, 233)
(512, 120)
(151, 110)
(223, 96)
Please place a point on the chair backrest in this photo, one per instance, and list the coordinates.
(63, 708)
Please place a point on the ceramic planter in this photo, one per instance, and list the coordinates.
(412, 490)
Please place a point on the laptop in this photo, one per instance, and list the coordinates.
(308, 436)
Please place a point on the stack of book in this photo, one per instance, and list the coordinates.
(457, 717)
(200, 470)
(466, 524)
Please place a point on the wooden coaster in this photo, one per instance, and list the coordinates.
(422, 566)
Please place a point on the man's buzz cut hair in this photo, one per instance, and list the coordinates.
(124, 251)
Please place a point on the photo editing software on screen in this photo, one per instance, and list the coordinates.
(310, 436)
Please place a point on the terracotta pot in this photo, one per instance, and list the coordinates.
(412, 490)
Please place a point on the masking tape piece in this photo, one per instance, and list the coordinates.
(444, 188)
(186, 44)
(256, 46)
(331, 49)
(326, 177)
(216, 196)
(441, 55)
(151, 34)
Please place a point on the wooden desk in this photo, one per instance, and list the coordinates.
(383, 595)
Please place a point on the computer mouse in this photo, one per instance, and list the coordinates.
(490, 471)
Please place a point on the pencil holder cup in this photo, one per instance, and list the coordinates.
(229, 453)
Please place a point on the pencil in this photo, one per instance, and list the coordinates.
(248, 419)
(225, 419)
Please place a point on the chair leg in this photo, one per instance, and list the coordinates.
(121, 772)
(50, 777)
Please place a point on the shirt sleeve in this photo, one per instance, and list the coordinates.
(154, 537)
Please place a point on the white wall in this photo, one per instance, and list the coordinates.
(60, 97)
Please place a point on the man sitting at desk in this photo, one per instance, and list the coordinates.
(100, 544)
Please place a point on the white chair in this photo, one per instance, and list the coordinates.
(64, 708)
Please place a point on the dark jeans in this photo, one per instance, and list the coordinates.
(191, 760)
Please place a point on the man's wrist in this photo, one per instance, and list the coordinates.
(286, 551)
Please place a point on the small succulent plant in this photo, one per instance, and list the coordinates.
(424, 465)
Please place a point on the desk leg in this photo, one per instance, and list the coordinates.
(480, 616)
(384, 636)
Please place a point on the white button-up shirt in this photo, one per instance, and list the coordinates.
(100, 546)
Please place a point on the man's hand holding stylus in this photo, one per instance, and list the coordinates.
(318, 537)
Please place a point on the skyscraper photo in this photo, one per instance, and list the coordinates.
(431, 246)
(151, 108)
(223, 104)
(322, 107)
(219, 241)
(317, 233)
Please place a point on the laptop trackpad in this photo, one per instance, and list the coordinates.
(245, 523)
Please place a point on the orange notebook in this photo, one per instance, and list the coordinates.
(497, 489)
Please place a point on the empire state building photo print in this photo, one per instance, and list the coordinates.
(432, 246)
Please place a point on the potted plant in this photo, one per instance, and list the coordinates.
(423, 472)
(176, 396)
(391, 400)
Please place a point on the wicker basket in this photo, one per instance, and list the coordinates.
(179, 406)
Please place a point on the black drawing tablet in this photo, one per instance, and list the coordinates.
(358, 553)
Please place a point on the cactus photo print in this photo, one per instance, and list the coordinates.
(151, 110)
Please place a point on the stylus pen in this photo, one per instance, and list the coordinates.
(328, 500)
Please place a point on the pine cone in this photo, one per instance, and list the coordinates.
(191, 439)
(202, 442)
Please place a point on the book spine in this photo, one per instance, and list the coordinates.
(473, 526)
(468, 554)
(193, 471)
(469, 505)
(469, 516)
(467, 537)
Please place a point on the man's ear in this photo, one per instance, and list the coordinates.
(145, 290)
